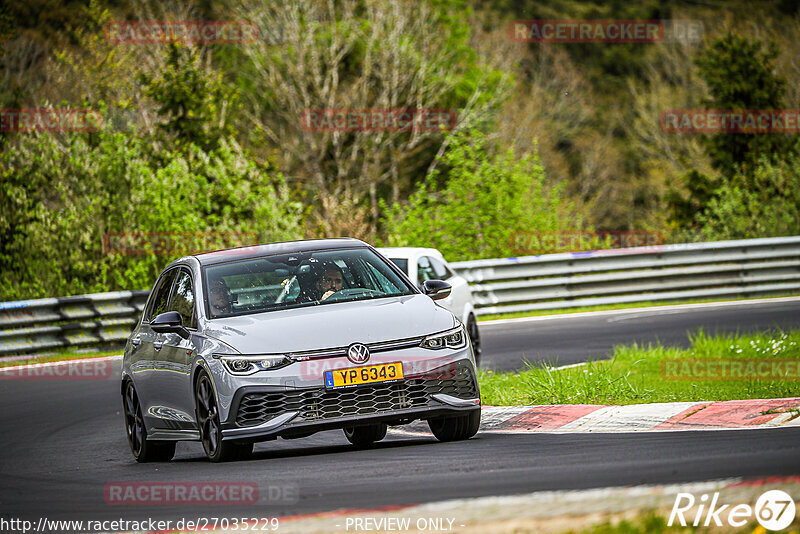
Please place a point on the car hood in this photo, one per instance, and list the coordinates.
(332, 325)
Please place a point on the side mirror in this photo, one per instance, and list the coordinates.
(169, 323)
(436, 289)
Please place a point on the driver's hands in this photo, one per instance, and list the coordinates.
(327, 294)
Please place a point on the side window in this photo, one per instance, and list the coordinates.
(183, 299)
(160, 297)
(442, 272)
(425, 270)
(402, 263)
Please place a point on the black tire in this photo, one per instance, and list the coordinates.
(143, 449)
(474, 336)
(365, 436)
(456, 427)
(210, 428)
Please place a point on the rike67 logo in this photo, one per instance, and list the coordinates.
(774, 510)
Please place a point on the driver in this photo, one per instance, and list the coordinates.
(330, 282)
(219, 297)
(326, 279)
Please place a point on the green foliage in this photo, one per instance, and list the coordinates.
(684, 209)
(752, 198)
(6, 27)
(740, 75)
(607, 65)
(60, 198)
(191, 99)
(355, 55)
(177, 170)
(649, 522)
(486, 199)
(770, 207)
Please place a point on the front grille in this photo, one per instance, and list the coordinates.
(461, 387)
(321, 404)
(317, 404)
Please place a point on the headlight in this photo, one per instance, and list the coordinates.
(451, 339)
(248, 364)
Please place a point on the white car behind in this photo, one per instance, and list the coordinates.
(421, 264)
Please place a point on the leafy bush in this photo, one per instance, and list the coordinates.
(770, 207)
(60, 197)
(486, 199)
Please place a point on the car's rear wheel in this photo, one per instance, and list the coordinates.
(143, 449)
(364, 436)
(474, 336)
(210, 427)
(456, 427)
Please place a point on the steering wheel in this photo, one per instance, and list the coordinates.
(352, 291)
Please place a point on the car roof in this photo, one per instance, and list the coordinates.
(285, 247)
(409, 252)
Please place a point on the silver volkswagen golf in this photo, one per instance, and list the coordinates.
(288, 339)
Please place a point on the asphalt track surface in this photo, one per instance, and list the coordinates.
(564, 341)
(63, 441)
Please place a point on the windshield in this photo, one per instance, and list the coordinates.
(297, 280)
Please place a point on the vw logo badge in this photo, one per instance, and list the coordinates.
(358, 353)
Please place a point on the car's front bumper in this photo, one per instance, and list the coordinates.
(261, 413)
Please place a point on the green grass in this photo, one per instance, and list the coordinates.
(634, 375)
(647, 304)
(652, 522)
(645, 523)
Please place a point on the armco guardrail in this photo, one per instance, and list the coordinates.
(722, 269)
(83, 320)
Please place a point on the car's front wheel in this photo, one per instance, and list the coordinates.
(364, 436)
(456, 427)
(210, 427)
(143, 449)
(474, 336)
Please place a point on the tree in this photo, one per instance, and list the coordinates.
(740, 75)
(62, 199)
(357, 55)
(192, 99)
(476, 207)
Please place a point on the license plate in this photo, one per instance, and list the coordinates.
(371, 374)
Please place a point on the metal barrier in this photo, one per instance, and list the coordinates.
(723, 269)
(46, 324)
